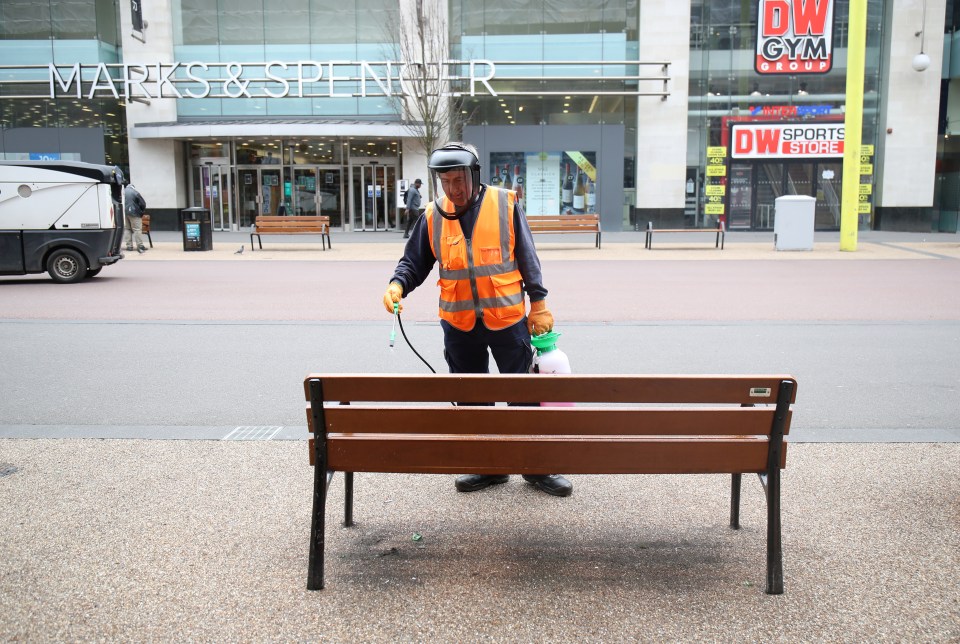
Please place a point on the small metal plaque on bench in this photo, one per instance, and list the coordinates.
(760, 392)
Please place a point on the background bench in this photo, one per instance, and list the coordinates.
(145, 228)
(566, 224)
(720, 230)
(292, 225)
(719, 430)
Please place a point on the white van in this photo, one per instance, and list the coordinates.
(63, 217)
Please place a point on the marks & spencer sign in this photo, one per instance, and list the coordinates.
(794, 37)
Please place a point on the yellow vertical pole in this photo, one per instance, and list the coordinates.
(853, 124)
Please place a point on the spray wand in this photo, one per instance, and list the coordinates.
(393, 329)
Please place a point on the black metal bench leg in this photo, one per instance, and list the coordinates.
(774, 541)
(735, 480)
(318, 524)
(320, 483)
(772, 487)
(347, 499)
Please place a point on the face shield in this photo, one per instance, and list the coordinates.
(455, 191)
(455, 179)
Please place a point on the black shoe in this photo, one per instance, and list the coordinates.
(141, 250)
(474, 482)
(406, 236)
(550, 483)
(129, 249)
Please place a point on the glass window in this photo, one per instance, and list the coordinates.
(334, 21)
(195, 22)
(287, 21)
(73, 19)
(241, 22)
(24, 20)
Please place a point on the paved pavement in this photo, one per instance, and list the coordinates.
(157, 540)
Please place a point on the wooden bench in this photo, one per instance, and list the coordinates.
(660, 425)
(145, 228)
(292, 225)
(566, 224)
(720, 230)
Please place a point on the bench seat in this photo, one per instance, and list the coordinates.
(292, 225)
(566, 224)
(720, 231)
(623, 424)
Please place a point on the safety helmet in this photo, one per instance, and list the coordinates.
(455, 177)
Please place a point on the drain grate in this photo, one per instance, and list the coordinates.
(6, 469)
(253, 433)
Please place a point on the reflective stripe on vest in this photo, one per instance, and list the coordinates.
(479, 278)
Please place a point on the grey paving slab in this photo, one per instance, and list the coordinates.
(148, 541)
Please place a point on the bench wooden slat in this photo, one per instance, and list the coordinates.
(579, 388)
(689, 421)
(438, 454)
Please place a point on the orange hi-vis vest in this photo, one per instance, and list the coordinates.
(479, 279)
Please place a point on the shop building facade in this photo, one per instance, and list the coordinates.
(641, 111)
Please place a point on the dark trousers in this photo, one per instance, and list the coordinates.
(411, 218)
(469, 351)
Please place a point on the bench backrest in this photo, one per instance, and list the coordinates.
(292, 223)
(621, 423)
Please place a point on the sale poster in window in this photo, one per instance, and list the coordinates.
(548, 183)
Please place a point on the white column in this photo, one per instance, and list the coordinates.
(156, 165)
(662, 124)
(907, 154)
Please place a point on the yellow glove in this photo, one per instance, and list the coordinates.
(540, 319)
(393, 294)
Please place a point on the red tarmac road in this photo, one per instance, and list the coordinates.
(581, 291)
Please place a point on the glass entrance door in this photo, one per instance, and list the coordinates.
(372, 194)
(271, 193)
(318, 191)
(248, 194)
(213, 191)
(260, 192)
(829, 181)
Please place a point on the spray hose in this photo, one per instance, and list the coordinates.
(393, 333)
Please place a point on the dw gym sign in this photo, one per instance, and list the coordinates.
(794, 37)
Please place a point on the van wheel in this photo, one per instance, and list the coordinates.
(93, 272)
(66, 266)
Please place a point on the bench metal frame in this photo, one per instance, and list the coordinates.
(645, 424)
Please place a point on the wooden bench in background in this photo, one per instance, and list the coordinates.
(720, 231)
(145, 228)
(292, 225)
(673, 424)
(566, 224)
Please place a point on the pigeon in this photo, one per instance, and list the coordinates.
(238, 252)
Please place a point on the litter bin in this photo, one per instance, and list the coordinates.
(793, 222)
(197, 232)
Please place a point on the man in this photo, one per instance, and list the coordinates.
(133, 208)
(488, 263)
(413, 206)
